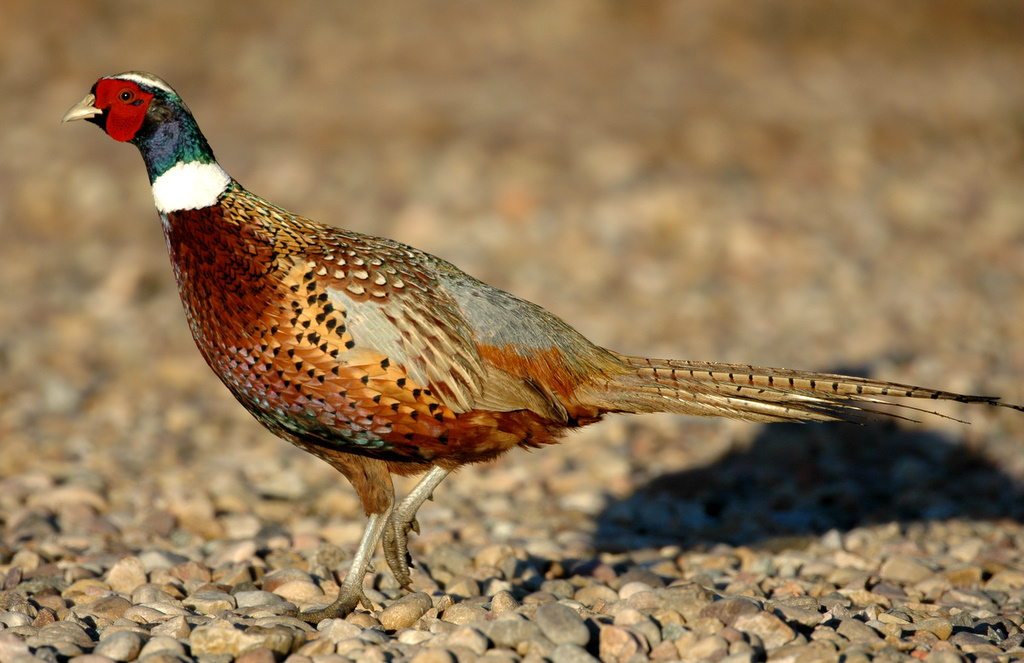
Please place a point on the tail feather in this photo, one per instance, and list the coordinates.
(757, 393)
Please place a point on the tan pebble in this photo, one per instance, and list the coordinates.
(941, 628)
(411, 636)
(464, 613)
(432, 655)
(589, 595)
(337, 630)
(107, 607)
(963, 577)
(463, 586)
(704, 648)
(773, 631)
(405, 611)
(314, 648)
(619, 644)
(627, 617)
(665, 651)
(85, 591)
(503, 601)
(298, 591)
(272, 581)
(258, 655)
(191, 570)
(362, 619)
(493, 555)
(126, 574)
(223, 637)
(904, 569)
(175, 627)
(1004, 580)
(468, 638)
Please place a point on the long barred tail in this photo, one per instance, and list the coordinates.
(756, 393)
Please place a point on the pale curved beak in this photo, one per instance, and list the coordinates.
(83, 110)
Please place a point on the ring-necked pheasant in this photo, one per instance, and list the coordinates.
(382, 359)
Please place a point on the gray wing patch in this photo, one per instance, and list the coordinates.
(427, 343)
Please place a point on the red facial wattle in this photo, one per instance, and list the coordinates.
(125, 104)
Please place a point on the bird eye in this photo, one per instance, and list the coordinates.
(126, 96)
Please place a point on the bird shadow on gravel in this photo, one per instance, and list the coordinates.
(795, 482)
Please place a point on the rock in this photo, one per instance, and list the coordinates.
(509, 632)
(857, 631)
(299, 591)
(405, 611)
(162, 644)
(223, 637)
(711, 647)
(940, 627)
(503, 601)
(432, 655)
(175, 627)
(903, 569)
(728, 609)
(209, 601)
(88, 658)
(64, 631)
(802, 616)
(191, 570)
(773, 631)
(943, 656)
(464, 613)
(259, 655)
(337, 630)
(255, 598)
(618, 644)
(108, 607)
(561, 624)
(468, 638)
(972, 643)
(591, 594)
(120, 646)
(11, 646)
(126, 575)
(630, 588)
(570, 653)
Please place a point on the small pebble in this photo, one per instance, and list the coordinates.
(405, 611)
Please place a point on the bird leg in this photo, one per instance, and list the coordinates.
(402, 520)
(351, 594)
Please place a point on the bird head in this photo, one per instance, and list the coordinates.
(123, 103)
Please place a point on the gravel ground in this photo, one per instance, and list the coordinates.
(827, 186)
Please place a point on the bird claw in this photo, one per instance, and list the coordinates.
(396, 545)
(346, 602)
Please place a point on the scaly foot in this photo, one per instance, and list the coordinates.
(403, 520)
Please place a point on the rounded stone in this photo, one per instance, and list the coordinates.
(464, 613)
(561, 624)
(126, 575)
(405, 611)
(120, 646)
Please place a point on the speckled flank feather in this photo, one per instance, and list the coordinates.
(338, 340)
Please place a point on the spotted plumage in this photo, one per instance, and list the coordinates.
(382, 359)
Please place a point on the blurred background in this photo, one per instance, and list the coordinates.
(790, 183)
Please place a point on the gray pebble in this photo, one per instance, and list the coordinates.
(562, 625)
(509, 632)
(255, 598)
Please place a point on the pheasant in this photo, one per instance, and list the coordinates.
(382, 359)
